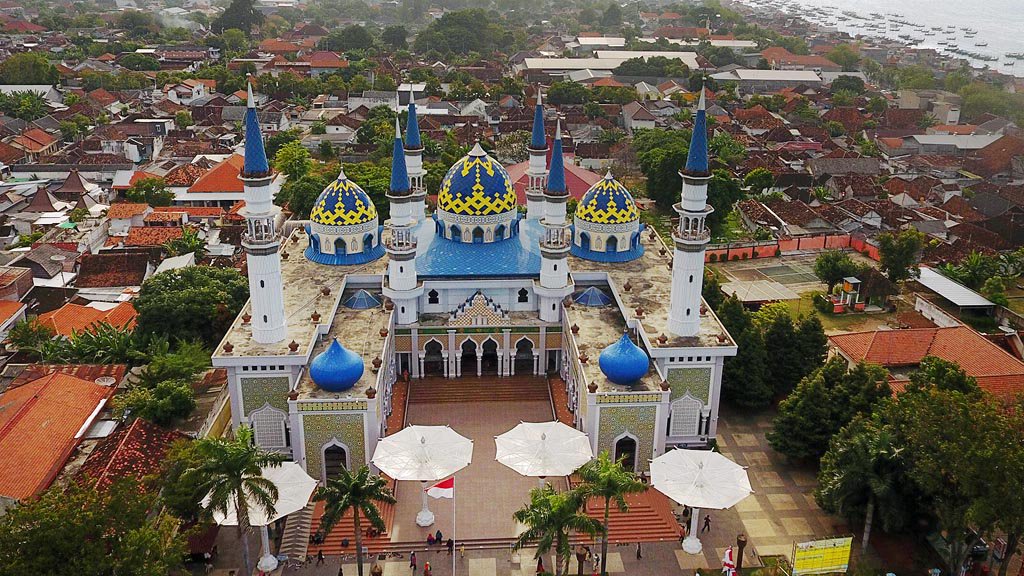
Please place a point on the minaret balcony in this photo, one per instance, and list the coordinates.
(691, 237)
(396, 246)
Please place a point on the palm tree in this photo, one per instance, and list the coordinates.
(359, 493)
(549, 517)
(605, 478)
(861, 474)
(231, 473)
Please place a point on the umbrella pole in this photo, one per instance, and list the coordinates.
(425, 517)
(455, 539)
(691, 544)
(268, 562)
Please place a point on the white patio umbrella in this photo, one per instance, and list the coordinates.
(543, 449)
(699, 479)
(294, 487)
(424, 453)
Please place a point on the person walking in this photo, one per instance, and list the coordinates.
(707, 524)
(639, 555)
(597, 561)
(319, 557)
(462, 550)
(412, 561)
(451, 546)
(426, 569)
(341, 571)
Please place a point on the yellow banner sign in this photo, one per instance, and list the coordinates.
(822, 556)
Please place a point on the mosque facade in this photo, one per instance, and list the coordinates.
(345, 305)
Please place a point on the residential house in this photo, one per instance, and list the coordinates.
(124, 215)
(70, 318)
(636, 116)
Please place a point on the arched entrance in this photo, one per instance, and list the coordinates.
(433, 361)
(625, 451)
(339, 247)
(468, 358)
(612, 244)
(335, 459)
(584, 241)
(456, 233)
(478, 235)
(367, 242)
(524, 356)
(489, 358)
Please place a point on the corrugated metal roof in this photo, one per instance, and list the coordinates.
(956, 293)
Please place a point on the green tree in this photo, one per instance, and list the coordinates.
(899, 254)
(293, 159)
(934, 372)
(745, 376)
(607, 479)
(234, 40)
(139, 62)
(152, 191)
(28, 68)
(844, 55)
(568, 92)
(759, 180)
(278, 140)
(240, 15)
(359, 494)
(835, 129)
(76, 529)
(780, 343)
(723, 193)
(300, 195)
(549, 518)
(181, 492)
(353, 37)
(877, 105)
(230, 472)
(612, 16)
(29, 334)
(848, 84)
(162, 404)
(832, 266)
(862, 472)
(183, 119)
(188, 243)
(811, 342)
(193, 303)
(395, 36)
(28, 106)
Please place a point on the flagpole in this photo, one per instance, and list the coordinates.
(455, 540)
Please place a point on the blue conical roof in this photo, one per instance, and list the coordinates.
(336, 369)
(362, 300)
(697, 157)
(556, 172)
(537, 140)
(399, 171)
(623, 362)
(593, 296)
(255, 155)
(412, 127)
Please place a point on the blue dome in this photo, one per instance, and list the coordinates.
(336, 369)
(607, 202)
(623, 362)
(476, 185)
(343, 203)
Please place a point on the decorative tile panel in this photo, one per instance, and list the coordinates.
(635, 420)
(628, 398)
(332, 406)
(319, 429)
(258, 391)
(696, 381)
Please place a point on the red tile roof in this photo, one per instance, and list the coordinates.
(578, 180)
(151, 235)
(996, 370)
(184, 175)
(221, 178)
(134, 451)
(996, 157)
(124, 210)
(34, 140)
(782, 57)
(194, 211)
(72, 318)
(39, 429)
(9, 309)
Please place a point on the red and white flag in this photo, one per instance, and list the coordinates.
(443, 489)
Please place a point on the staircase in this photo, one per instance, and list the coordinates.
(649, 518)
(479, 389)
(295, 541)
(345, 530)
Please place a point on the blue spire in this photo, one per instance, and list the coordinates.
(538, 141)
(412, 128)
(255, 155)
(697, 157)
(399, 172)
(556, 173)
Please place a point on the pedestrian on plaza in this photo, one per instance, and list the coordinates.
(341, 571)
(430, 539)
(319, 557)
(639, 555)
(707, 524)
(462, 550)
(540, 564)
(412, 561)
(597, 561)
(426, 569)
(438, 537)
(451, 546)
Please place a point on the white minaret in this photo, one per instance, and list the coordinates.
(402, 286)
(414, 160)
(691, 235)
(554, 245)
(261, 242)
(537, 171)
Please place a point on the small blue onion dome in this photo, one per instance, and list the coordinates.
(477, 185)
(336, 369)
(607, 202)
(623, 362)
(343, 203)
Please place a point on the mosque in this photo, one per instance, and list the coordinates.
(344, 305)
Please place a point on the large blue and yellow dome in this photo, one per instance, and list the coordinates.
(607, 202)
(476, 185)
(343, 203)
